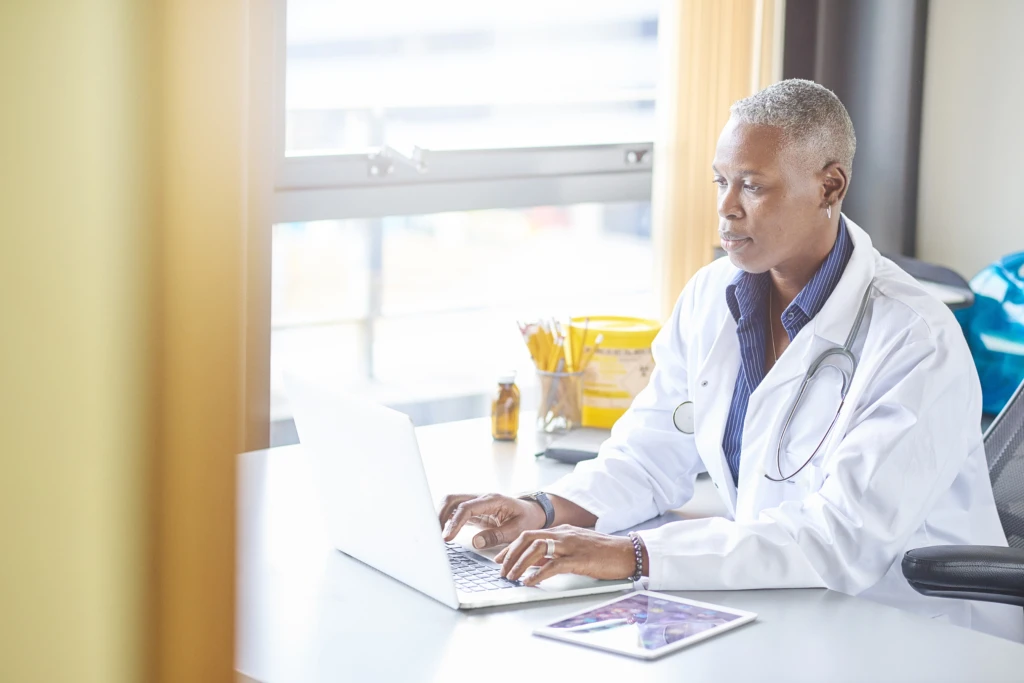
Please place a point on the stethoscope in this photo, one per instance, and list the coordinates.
(682, 416)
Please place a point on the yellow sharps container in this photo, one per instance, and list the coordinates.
(619, 369)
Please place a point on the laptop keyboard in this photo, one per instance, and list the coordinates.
(472, 576)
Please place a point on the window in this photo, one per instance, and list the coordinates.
(446, 169)
(464, 74)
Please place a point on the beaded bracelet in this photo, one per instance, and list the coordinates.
(637, 549)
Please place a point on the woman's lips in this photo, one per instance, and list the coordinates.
(734, 244)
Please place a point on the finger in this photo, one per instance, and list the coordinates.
(487, 521)
(552, 568)
(488, 538)
(467, 510)
(511, 554)
(501, 556)
(534, 553)
(448, 506)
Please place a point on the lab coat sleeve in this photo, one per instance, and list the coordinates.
(904, 447)
(646, 467)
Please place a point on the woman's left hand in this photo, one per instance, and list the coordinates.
(576, 551)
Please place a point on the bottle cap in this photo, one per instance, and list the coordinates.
(507, 377)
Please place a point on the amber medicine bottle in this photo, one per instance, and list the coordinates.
(505, 409)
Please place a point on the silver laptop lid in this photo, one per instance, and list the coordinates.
(372, 484)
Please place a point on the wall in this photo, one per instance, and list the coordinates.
(871, 54)
(972, 145)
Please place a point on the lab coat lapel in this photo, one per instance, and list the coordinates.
(712, 390)
(835, 319)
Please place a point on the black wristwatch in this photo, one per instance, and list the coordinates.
(542, 499)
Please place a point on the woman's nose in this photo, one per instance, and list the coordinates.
(728, 204)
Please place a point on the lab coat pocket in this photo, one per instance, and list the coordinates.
(809, 480)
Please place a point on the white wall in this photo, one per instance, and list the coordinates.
(971, 197)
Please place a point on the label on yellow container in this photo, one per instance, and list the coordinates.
(619, 369)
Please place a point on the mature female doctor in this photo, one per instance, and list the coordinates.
(831, 400)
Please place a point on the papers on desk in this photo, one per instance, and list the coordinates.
(577, 445)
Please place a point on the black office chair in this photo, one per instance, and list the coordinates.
(922, 270)
(978, 572)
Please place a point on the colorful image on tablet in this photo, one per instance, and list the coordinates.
(656, 622)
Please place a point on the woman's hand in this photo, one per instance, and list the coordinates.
(502, 518)
(576, 551)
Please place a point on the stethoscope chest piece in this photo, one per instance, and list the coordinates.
(682, 417)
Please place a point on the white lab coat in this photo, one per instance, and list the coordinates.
(903, 468)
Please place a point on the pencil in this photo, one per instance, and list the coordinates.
(583, 345)
(593, 349)
(571, 351)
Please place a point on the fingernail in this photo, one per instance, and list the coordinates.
(478, 542)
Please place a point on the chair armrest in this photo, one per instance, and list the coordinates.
(969, 572)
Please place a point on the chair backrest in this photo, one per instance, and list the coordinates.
(922, 270)
(930, 272)
(1004, 447)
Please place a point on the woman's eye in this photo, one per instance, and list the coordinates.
(751, 188)
(719, 181)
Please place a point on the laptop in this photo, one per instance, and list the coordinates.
(380, 510)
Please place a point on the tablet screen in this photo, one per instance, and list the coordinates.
(644, 623)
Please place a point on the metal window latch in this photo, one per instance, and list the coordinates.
(635, 157)
(383, 161)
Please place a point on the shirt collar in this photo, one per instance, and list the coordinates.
(816, 292)
(747, 291)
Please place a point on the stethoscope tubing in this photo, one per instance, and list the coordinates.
(683, 415)
(847, 352)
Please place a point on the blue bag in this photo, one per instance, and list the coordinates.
(994, 327)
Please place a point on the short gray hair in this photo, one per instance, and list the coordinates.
(807, 113)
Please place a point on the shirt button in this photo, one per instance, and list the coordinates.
(704, 383)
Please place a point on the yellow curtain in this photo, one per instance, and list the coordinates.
(201, 149)
(713, 52)
(135, 255)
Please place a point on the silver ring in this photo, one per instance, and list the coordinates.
(550, 554)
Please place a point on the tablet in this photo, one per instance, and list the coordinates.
(645, 624)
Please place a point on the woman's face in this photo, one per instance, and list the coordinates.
(771, 198)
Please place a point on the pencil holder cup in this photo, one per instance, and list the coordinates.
(561, 401)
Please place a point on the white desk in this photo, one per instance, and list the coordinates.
(309, 613)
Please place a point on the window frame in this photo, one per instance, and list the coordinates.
(359, 185)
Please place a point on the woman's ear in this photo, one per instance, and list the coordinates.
(835, 183)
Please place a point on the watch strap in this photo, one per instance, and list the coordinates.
(544, 501)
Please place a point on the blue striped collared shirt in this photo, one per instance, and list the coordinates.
(747, 297)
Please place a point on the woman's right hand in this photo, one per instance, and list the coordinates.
(502, 518)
